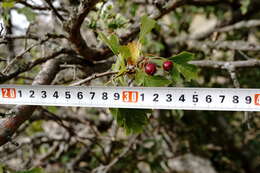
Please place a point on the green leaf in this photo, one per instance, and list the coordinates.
(189, 71)
(34, 127)
(30, 15)
(139, 77)
(8, 4)
(52, 109)
(1, 168)
(147, 24)
(132, 120)
(175, 75)
(182, 58)
(112, 42)
(244, 6)
(34, 170)
(119, 64)
(124, 51)
(180, 61)
(156, 81)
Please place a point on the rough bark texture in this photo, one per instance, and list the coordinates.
(22, 113)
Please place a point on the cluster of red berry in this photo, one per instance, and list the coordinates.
(150, 68)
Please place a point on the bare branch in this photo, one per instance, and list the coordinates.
(37, 7)
(106, 168)
(2, 29)
(32, 64)
(9, 125)
(239, 25)
(226, 64)
(94, 76)
(233, 45)
(54, 10)
(20, 55)
(73, 28)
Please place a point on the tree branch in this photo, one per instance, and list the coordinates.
(73, 29)
(94, 76)
(224, 45)
(239, 25)
(226, 64)
(32, 64)
(22, 113)
(54, 10)
(37, 7)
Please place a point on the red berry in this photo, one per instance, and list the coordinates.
(150, 68)
(167, 65)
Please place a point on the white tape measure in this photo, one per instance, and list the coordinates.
(133, 97)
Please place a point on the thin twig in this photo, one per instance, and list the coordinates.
(19, 56)
(30, 65)
(223, 45)
(37, 7)
(54, 10)
(94, 76)
(2, 29)
(226, 64)
(239, 25)
(106, 168)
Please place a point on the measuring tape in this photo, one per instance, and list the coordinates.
(133, 97)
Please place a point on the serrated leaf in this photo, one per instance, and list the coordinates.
(30, 15)
(147, 24)
(112, 42)
(189, 71)
(175, 74)
(156, 81)
(182, 58)
(132, 120)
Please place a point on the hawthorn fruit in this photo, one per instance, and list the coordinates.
(167, 65)
(150, 68)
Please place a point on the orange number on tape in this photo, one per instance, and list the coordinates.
(130, 96)
(8, 93)
(257, 99)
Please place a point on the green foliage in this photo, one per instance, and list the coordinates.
(180, 61)
(7, 3)
(156, 81)
(175, 74)
(132, 120)
(142, 79)
(112, 42)
(182, 58)
(147, 24)
(34, 128)
(34, 170)
(117, 22)
(52, 109)
(244, 6)
(1, 168)
(30, 15)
